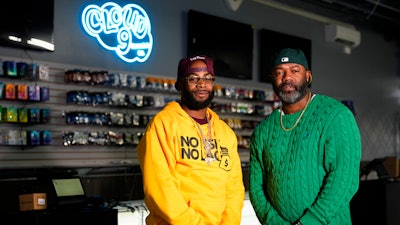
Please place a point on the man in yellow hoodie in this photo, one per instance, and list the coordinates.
(191, 167)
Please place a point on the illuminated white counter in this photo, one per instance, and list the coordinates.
(135, 213)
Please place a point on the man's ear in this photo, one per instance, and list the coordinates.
(309, 76)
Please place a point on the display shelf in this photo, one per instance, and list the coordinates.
(57, 153)
(23, 114)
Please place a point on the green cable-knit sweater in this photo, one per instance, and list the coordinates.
(308, 173)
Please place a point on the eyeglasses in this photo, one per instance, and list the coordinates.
(194, 80)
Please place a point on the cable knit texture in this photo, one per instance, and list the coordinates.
(309, 173)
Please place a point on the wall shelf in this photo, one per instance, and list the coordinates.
(57, 154)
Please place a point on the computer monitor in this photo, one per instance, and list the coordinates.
(69, 191)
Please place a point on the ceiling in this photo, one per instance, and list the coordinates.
(382, 16)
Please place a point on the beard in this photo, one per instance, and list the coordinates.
(291, 97)
(189, 101)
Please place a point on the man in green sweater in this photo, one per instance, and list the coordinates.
(305, 156)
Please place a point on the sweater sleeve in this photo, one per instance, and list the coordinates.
(265, 212)
(156, 156)
(342, 162)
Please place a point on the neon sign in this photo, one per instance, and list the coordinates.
(124, 30)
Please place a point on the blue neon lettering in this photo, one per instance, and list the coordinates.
(124, 30)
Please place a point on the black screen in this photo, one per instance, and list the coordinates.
(228, 43)
(27, 19)
(271, 42)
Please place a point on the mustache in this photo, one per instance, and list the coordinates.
(287, 83)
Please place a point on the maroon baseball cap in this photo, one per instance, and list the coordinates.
(184, 68)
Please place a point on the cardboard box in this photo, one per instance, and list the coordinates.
(35, 201)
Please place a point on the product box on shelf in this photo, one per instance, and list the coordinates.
(10, 114)
(10, 91)
(21, 69)
(34, 92)
(23, 115)
(22, 92)
(10, 68)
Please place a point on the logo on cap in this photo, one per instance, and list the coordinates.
(285, 59)
(197, 58)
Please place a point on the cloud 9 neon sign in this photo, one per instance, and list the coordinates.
(124, 30)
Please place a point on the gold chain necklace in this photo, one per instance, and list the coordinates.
(298, 119)
(207, 141)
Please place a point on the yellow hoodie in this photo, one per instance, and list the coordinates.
(179, 186)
